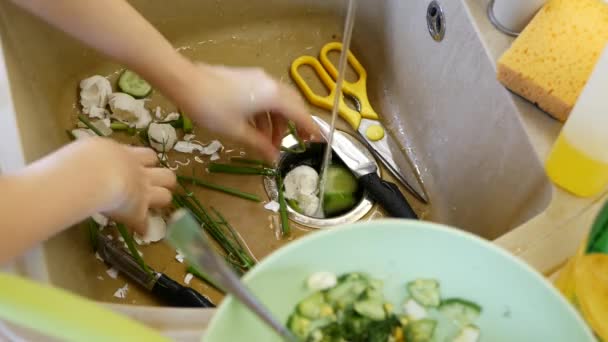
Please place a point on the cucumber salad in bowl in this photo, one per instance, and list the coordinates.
(352, 308)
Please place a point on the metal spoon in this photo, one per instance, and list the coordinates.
(186, 235)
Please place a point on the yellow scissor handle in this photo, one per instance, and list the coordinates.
(327, 102)
(356, 89)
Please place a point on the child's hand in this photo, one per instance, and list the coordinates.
(235, 102)
(134, 183)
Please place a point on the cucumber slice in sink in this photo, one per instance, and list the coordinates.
(425, 292)
(132, 84)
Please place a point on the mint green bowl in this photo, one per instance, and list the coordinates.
(518, 303)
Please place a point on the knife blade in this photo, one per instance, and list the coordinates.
(159, 284)
(385, 193)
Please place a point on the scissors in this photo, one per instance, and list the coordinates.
(365, 120)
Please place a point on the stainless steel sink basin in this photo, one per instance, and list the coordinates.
(440, 99)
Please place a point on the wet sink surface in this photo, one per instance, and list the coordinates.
(440, 100)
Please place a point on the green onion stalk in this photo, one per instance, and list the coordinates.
(235, 251)
(247, 161)
(240, 170)
(221, 188)
(285, 228)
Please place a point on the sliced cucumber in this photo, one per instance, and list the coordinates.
(371, 309)
(469, 333)
(340, 180)
(421, 331)
(346, 292)
(315, 336)
(299, 325)
(376, 284)
(311, 307)
(425, 292)
(375, 294)
(336, 203)
(462, 312)
(132, 84)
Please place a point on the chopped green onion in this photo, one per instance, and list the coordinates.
(221, 188)
(88, 123)
(93, 229)
(256, 162)
(240, 170)
(119, 126)
(285, 228)
(131, 245)
(204, 277)
(187, 125)
(236, 254)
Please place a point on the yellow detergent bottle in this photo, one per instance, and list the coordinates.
(579, 159)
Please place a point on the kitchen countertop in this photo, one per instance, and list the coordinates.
(548, 240)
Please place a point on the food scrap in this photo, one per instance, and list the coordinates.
(112, 272)
(272, 206)
(94, 92)
(188, 278)
(122, 292)
(179, 257)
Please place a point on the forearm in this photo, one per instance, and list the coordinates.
(114, 28)
(48, 196)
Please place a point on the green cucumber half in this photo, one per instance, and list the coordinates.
(340, 180)
(335, 203)
(132, 84)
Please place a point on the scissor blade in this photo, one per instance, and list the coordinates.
(395, 160)
(357, 161)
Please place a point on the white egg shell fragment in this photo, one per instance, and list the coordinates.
(272, 206)
(212, 148)
(187, 147)
(127, 109)
(82, 133)
(100, 219)
(162, 137)
(171, 117)
(157, 229)
(94, 92)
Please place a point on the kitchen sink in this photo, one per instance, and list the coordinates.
(440, 99)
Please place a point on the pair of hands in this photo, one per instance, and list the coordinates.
(244, 104)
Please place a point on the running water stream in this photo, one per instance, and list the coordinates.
(348, 30)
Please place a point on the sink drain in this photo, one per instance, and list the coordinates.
(435, 21)
(312, 157)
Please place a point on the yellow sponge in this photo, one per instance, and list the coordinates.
(551, 60)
